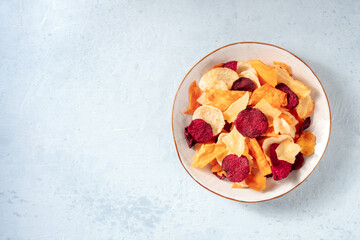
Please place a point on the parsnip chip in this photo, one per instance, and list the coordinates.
(235, 142)
(307, 143)
(233, 110)
(220, 99)
(257, 153)
(297, 87)
(218, 78)
(243, 66)
(220, 137)
(271, 140)
(270, 133)
(270, 112)
(305, 107)
(255, 182)
(289, 118)
(212, 116)
(272, 95)
(207, 153)
(267, 74)
(287, 151)
(281, 126)
(284, 66)
(194, 93)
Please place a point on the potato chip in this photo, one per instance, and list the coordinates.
(241, 184)
(194, 93)
(267, 74)
(269, 111)
(271, 140)
(281, 126)
(255, 182)
(287, 151)
(218, 78)
(272, 95)
(297, 87)
(257, 153)
(233, 110)
(307, 143)
(212, 116)
(284, 66)
(235, 142)
(220, 99)
(207, 153)
(305, 107)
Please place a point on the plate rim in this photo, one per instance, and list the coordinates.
(172, 121)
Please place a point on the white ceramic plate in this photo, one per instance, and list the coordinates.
(320, 120)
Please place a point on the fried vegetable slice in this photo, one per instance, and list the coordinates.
(218, 78)
(255, 182)
(207, 153)
(267, 74)
(272, 95)
(220, 99)
(307, 143)
(257, 153)
(194, 93)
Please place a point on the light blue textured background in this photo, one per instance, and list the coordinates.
(85, 104)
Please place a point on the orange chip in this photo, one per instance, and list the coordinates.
(285, 66)
(216, 168)
(272, 95)
(287, 118)
(194, 93)
(218, 65)
(220, 99)
(307, 143)
(240, 185)
(207, 153)
(255, 182)
(221, 174)
(267, 74)
(257, 153)
(213, 162)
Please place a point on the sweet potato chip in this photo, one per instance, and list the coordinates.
(219, 98)
(257, 153)
(233, 110)
(297, 87)
(255, 182)
(287, 151)
(284, 66)
(272, 95)
(207, 153)
(307, 143)
(218, 65)
(241, 184)
(305, 107)
(194, 93)
(212, 116)
(269, 111)
(216, 168)
(267, 74)
(271, 140)
(218, 78)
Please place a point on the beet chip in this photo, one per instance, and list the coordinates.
(236, 168)
(222, 177)
(243, 84)
(189, 139)
(232, 65)
(305, 124)
(200, 130)
(299, 161)
(251, 123)
(281, 169)
(292, 98)
(273, 155)
(227, 126)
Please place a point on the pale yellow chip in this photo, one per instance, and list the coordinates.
(270, 112)
(281, 126)
(218, 78)
(297, 87)
(246, 70)
(233, 110)
(220, 137)
(287, 151)
(220, 99)
(289, 118)
(212, 116)
(305, 107)
(271, 140)
(240, 184)
(235, 142)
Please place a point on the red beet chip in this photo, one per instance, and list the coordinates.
(251, 123)
(299, 161)
(243, 84)
(227, 126)
(292, 98)
(305, 124)
(222, 177)
(281, 169)
(232, 65)
(189, 139)
(200, 130)
(273, 155)
(236, 168)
